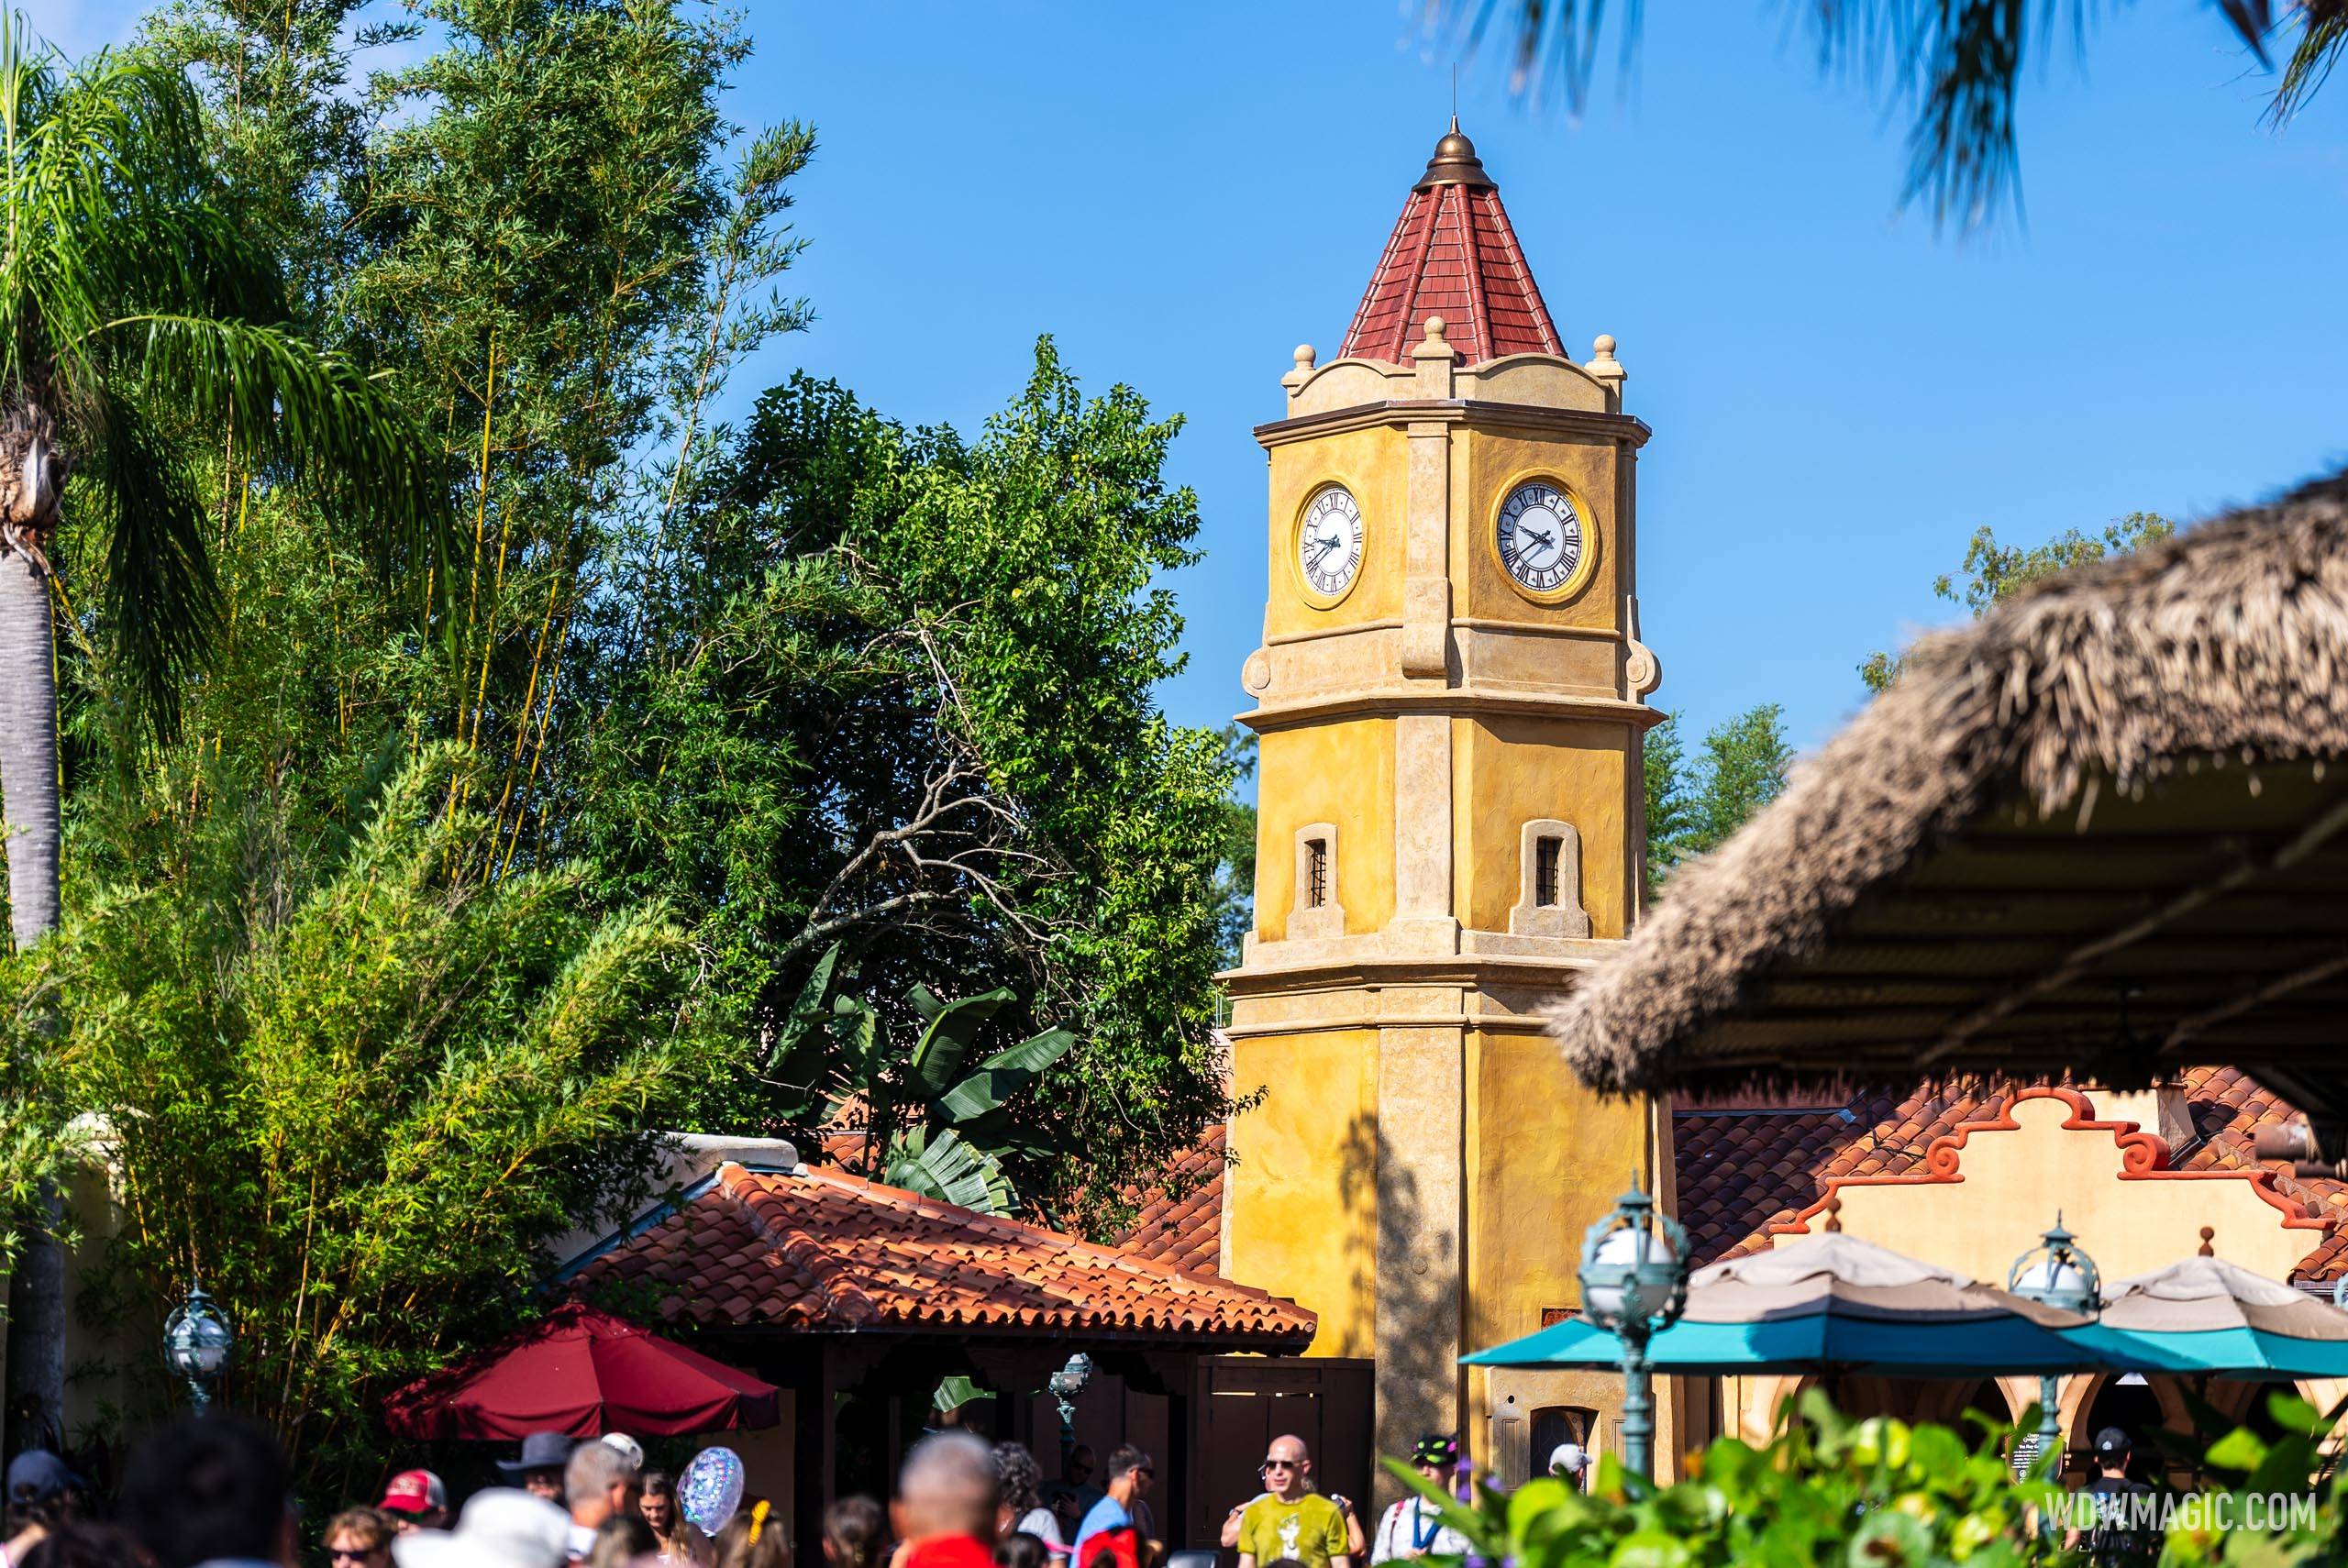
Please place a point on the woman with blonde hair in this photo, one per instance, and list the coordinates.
(753, 1538)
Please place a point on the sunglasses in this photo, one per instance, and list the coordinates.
(350, 1554)
(1276, 1464)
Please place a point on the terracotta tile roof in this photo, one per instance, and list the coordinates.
(1184, 1232)
(818, 1249)
(2326, 1263)
(1739, 1170)
(2229, 1106)
(1733, 1165)
(1453, 254)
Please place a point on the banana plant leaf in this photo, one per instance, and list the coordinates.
(944, 1167)
(947, 1037)
(1004, 1074)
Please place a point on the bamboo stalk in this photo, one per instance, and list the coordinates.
(481, 522)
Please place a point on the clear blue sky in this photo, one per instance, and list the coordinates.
(1839, 397)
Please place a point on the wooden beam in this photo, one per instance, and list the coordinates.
(2083, 958)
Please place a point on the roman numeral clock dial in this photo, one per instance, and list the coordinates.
(1328, 543)
(1541, 540)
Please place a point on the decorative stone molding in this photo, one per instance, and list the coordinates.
(1256, 674)
(1311, 919)
(1642, 671)
(1607, 370)
(1563, 917)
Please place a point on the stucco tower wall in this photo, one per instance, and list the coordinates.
(1422, 1167)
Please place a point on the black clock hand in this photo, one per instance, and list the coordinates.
(1545, 541)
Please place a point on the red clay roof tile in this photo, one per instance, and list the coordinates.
(820, 1249)
(1183, 1232)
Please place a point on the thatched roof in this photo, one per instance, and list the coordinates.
(2073, 720)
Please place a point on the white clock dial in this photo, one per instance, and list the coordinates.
(1328, 542)
(1541, 536)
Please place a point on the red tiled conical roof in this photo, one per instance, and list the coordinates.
(1453, 254)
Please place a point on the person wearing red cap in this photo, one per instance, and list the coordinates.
(415, 1499)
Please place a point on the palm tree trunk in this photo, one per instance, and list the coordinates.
(28, 748)
(28, 807)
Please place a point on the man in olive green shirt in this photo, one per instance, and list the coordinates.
(1289, 1520)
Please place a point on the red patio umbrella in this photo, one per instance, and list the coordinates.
(581, 1372)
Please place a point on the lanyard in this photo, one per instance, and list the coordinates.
(1423, 1530)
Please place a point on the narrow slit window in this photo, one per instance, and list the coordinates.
(1316, 872)
(1546, 852)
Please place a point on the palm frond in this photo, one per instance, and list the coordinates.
(2323, 37)
(1957, 64)
(312, 414)
(109, 205)
(159, 592)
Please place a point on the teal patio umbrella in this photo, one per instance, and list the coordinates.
(1836, 1304)
(2204, 1316)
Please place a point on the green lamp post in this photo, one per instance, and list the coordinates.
(2057, 1273)
(197, 1343)
(1634, 1285)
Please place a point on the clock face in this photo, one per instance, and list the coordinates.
(1541, 538)
(1328, 542)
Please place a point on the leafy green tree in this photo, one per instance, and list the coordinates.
(355, 1089)
(1693, 807)
(1991, 571)
(1671, 813)
(1236, 877)
(134, 307)
(894, 691)
(555, 276)
(1956, 64)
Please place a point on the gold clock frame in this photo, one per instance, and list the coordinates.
(1313, 596)
(1579, 578)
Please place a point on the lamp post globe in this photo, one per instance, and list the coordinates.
(1064, 1387)
(1634, 1285)
(2057, 1273)
(198, 1345)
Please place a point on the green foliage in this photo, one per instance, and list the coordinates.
(354, 1091)
(1826, 1490)
(893, 689)
(1235, 892)
(135, 309)
(926, 1124)
(1993, 572)
(1692, 808)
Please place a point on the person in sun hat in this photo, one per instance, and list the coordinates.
(1413, 1526)
(416, 1499)
(539, 1471)
(500, 1527)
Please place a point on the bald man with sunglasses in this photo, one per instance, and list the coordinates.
(1291, 1520)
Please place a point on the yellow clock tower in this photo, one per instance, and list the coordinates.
(1450, 698)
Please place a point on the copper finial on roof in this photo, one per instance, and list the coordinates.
(1454, 162)
(1833, 1211)
(2208, 1234)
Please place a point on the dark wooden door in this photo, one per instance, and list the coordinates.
(1243, 1402)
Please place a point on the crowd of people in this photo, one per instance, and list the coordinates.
(214, 1491)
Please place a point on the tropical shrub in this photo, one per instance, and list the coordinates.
(353, 1091)
(1879, 1493)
